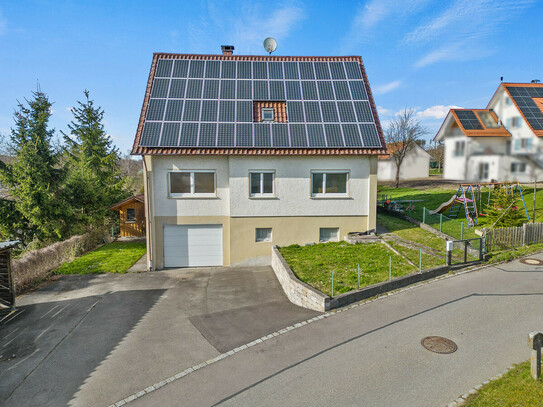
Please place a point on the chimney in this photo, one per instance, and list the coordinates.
(227, 49)
(535, 81)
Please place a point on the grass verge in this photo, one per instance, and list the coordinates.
(116, 257)
(512, 254)
(314, 265)
(515, 388)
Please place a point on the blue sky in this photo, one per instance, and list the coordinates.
(420, 54)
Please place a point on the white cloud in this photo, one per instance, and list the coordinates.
(388, 87)
(382, 111)
(436, 112)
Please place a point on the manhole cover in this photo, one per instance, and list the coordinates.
(532, 262)
(439, 344)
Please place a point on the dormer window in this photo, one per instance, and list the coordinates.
(268, 114)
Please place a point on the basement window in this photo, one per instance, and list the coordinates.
(263, 235)
(328, 235)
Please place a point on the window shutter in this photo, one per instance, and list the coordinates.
(517, 144)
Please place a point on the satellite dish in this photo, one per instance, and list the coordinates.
(270, 44)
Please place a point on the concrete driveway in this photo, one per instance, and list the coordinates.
(93, 340)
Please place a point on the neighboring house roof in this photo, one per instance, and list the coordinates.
(473, 123)
(133, 198)
(204, 104)
(528, 98)
(392, 147)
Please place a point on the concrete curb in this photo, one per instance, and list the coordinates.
(287, 329)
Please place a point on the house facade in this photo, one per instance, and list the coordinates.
(416, 164)
(245, 152)
(501, 142)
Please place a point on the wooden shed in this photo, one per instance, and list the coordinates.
(132, 215)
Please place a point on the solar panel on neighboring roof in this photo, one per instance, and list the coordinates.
(209, 103)
(469, 120)
(523, 96)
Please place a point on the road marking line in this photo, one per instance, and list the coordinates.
(56, 306)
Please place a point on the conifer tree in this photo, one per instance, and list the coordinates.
(33, 180)
(94, 178)
(505, 208)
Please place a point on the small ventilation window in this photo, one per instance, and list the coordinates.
(268, 114)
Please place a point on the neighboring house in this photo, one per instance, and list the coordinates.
(501, 142)
(132, 215)
(244, 152)
(416, 164)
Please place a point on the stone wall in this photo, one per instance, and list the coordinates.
(298, 293)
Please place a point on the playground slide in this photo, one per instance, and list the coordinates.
(445, 205)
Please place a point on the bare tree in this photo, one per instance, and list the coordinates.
(401, 135)
(438, 154)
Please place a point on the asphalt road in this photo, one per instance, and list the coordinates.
(372, 356)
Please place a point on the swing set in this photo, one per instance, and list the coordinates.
(468, 195)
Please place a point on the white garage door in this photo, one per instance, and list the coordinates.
(192, 245)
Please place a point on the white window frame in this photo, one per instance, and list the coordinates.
(268, 110)
(459, 148)
(336, 239)
(261, 194)
(192, 194)
(324, 194)
(269, 238)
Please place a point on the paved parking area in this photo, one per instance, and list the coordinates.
(93, 340)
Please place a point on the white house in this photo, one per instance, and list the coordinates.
(244, 152)
(416, 164)
(501, 142)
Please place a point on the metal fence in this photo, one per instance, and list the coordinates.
(466, 251)
(506, 238)
(449, 226)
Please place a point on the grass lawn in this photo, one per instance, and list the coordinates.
(515, 388)
(511, 254)
(314, 264)
(115, 257)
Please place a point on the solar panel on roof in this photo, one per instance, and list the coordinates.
(329, 112)
(170, 134)
(342, 90)
(177, 88)
(196, 69)
(363, 111)
(333, 135)
(260, 70)
(346, 112)
(228, 69)
(312, 112)
(189, 135)
(469, 120)
(298, 135)
(369, 135)
(280, 135)
(155, 110)
(357, 90)
(277, 90)
(295, 112)
(225, 136)
(245, 90)
(244, 70)
(315, 134)
(194, 89)
(353, 70)
(213, 69)
(306, 70)
(276, 70)
(291, 70)
(293, 90)
(174, 109)
(150, 134)
(262, 135)
(164, 68)
(322, 71)
(351, 133)
(180, 68)
(208, 135)
(226, 110)
(325, 90)
(309, 90)
(160, 88)
(209, 110)
(260, 90)
(211, 89)
(192, 111)
(244, 135)
(228, 89)
(523, 96)
(336, 68)
(244, 111)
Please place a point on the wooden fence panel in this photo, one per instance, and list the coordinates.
(509, 237)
